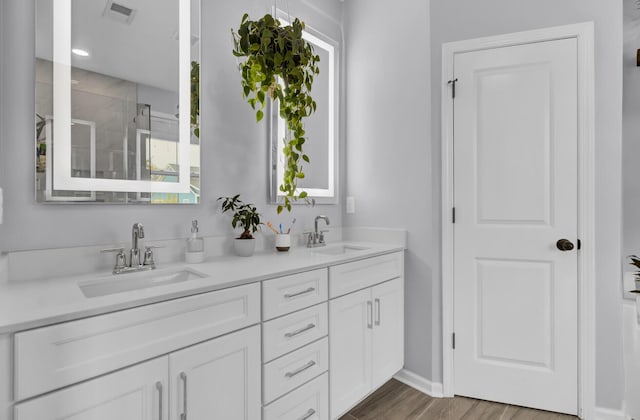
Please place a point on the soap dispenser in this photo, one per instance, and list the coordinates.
(195, 246)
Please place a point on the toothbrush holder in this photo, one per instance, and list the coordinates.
(283, 242)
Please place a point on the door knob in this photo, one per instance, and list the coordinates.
(564, 245)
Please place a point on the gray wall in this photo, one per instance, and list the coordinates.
(234, 147)
(394, 123)
(390, 154)
(453, 20)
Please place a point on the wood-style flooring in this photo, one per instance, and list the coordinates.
(397, 401)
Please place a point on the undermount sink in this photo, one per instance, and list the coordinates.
(118, 283)
(338, 249)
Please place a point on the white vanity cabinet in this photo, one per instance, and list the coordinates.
(136, 393)
(216, 379)
(366, 329)
(308, 345)
(190, 370)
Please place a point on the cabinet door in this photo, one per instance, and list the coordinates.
(351, 327)
(218, 379)
(136, 393)
(388, 330)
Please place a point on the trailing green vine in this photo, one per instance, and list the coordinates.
(195, 98)
(274, 52)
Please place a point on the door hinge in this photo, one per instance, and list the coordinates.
(453, 340)
(579, 244)
(453, 215)
(453, 87)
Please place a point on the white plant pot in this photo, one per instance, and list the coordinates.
(244, 247)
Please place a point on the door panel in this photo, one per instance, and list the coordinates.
(514, 327)
(351, 326)
(388, 339)
(520, 130)
(515, 173)
(135, 393)
(218, 379)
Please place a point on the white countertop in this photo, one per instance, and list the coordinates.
(31, 304)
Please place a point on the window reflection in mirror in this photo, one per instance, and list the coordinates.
(125, 77)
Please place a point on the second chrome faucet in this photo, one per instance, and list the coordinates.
(316, 238)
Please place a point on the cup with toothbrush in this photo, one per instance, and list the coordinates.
(283, 237)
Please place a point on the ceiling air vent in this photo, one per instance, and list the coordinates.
(119, 12)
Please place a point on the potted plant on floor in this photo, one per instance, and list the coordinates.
(635, 261)
(246, 216)
(280, 65)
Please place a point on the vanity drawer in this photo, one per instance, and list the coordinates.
(292, 293)
(310, 401)
(52, 357)
(293, 331)
(288, 372)
(349, 277)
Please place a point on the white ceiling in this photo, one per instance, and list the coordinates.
(145, 51)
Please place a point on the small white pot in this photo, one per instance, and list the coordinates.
(244, 247)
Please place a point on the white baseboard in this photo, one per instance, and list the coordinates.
(434, 389)
(609, 414)
(421, 384)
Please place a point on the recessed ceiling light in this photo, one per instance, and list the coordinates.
(80, 52)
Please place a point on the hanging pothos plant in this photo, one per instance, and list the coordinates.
(280, 65)
(195, 98)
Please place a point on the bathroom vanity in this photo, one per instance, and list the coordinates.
(302, 335)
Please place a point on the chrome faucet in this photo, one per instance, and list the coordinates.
(316, 238)
(137, 232)
(135, 262)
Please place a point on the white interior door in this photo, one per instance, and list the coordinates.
(515, 193)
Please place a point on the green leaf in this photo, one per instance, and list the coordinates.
(259, 116)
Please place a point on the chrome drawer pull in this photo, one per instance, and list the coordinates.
(369, 315)
(308, 414)
(377, 302)
(183, 416)
(300, 331)
(304, 292)
(159, 388)
(298, 371)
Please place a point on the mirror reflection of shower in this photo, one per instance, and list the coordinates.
(123, 94)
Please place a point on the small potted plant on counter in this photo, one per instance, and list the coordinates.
(246, 216)
(635, 261)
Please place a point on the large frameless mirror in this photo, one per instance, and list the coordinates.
(320, 181)
(117, 101)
